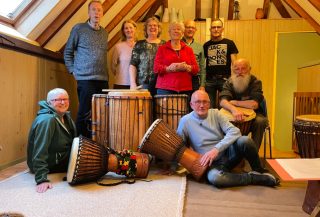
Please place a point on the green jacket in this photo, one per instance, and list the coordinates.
(49, 141)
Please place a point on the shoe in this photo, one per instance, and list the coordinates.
(262, 170)
(265, 179)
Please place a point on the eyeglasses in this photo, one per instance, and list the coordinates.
(190, 27)
(216, 27)
(198, 103)
(60, 100)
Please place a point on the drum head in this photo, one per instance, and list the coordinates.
(148, 133)
(311, 118)
(249, 113)
(129, 94)
(73, 159)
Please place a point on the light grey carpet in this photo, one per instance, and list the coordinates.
(164, 196)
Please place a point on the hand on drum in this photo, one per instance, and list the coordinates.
(43, 187)
(209, 157)
(238, 115)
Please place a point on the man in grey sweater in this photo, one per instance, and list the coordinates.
(85, 56)
(221, 145)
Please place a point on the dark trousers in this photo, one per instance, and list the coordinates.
(85, 91)
(212, 86)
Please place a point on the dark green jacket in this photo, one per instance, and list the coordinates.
(49, 141)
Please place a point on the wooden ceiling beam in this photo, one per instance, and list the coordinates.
(123, 12)
(315, 3)
(282, 10)
(152, 11)
(266, 7)
(135, 18)
(299, 10)
(231, 10)
(198, 9)
(62, 19)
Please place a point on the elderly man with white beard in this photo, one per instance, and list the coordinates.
(244, 90)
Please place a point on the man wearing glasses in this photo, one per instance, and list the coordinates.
(220, 53)
(198, 81)
(50, 138)
(221, 145)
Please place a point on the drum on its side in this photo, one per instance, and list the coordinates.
(162, 141)
(307, 130)
(129, 118)
(100, 119)
(245, 125)
(170, 108)
(89, 161)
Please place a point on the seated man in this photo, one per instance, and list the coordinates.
(244, 90)
(222, 146)
(50, 138)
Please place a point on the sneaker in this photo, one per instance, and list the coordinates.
(265, 179)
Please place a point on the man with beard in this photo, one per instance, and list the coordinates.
(244, 90)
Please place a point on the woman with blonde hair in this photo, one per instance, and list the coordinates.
(143, 53)
(122, 55)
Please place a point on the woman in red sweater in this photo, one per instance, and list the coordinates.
(175, 64)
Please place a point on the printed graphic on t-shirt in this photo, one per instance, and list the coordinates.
(217, 54)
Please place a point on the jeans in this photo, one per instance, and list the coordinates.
(219, 173)
(85, 91)
(212, 86)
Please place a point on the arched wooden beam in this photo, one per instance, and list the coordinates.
(135, 18)
(282, 10)
(315, 3)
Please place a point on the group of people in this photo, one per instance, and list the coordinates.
(178, 66)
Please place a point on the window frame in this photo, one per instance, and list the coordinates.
(20, 11)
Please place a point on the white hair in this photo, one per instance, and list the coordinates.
(54, 92)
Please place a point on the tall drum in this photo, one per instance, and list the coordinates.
(307, 130)
(170, 108)
(129, 118)
(100, 119)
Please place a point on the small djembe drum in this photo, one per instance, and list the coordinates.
(244, 125)
(163, 142)
(170, 108)
(307, 130)
(89, 161)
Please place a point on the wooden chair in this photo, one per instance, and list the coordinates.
(304, 103)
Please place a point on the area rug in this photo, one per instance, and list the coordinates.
(163, 196)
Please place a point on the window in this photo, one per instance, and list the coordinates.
(11, 10)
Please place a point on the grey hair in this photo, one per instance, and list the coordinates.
(54, 92)
(176, 23)
(94, 1)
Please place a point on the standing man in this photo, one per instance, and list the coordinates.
(198, 81)
(244, 90)
(221, 145)
(85, 57)
(220, 53)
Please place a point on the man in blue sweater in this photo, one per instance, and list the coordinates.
(221, 145)
(85, 56)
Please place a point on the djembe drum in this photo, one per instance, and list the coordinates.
(129, 118)
(89, 161)
(100, 119)
(163, 142)
(170, 108)
(307, 130)
(245, 125)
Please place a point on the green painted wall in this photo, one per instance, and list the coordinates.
(294, 50)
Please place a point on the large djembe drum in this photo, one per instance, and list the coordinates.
(163, 142)
(100, 119)
(129, 118)
(89, 161)
(244, 125)
(307, 130)
(170, 108)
